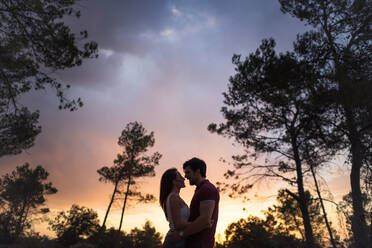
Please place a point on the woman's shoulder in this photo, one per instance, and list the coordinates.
(175, 199)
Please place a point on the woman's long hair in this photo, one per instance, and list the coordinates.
(166, 185)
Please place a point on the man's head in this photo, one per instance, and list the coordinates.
(195, 170)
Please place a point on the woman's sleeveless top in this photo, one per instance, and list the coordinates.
(184, 212)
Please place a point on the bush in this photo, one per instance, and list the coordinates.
(75, 225)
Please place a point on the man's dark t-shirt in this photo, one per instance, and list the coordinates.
(204, 192)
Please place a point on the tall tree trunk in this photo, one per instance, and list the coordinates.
(358, 222)
(310, 243)
(323, 208)
(109, 206)
(125, 202)
(301, 198)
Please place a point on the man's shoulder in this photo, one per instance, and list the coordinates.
(208, 187)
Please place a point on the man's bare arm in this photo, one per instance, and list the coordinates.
(204, 219)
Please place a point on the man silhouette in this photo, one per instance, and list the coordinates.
(203, 207)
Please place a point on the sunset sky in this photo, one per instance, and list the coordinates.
(164, 64)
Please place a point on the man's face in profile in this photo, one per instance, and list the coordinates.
(190, 175)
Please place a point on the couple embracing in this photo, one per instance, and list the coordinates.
(194, 226)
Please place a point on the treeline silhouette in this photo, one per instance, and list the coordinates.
(23, 194)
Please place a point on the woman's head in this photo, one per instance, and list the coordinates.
(171, 179)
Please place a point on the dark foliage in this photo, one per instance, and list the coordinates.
(22, 194)
(255, 232)
(74, 225)
(35, 43)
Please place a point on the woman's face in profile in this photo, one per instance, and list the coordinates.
(179, 181)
